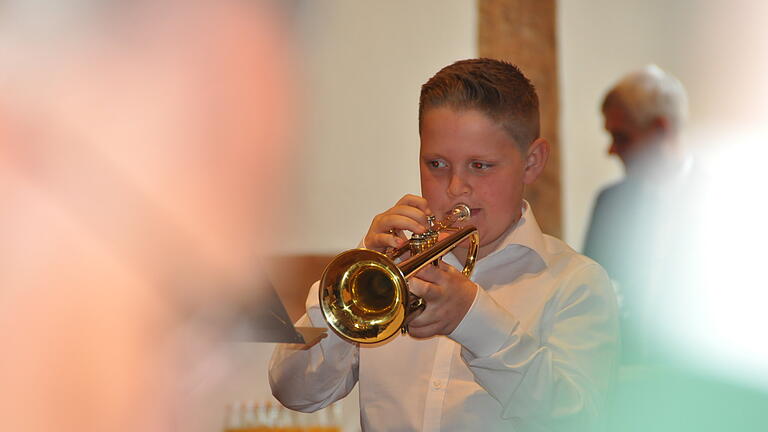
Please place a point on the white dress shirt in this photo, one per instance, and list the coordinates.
(536, 351)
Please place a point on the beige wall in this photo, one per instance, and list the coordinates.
(364, 63)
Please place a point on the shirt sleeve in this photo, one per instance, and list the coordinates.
(310, 379)
(559, 368)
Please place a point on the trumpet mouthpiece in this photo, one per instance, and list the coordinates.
(461, 212)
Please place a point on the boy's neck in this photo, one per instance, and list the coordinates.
(485, 250)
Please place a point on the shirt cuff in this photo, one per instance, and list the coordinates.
(486, 326)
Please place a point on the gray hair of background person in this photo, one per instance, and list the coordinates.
(649, 93)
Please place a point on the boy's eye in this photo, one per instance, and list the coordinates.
(436, 163)
(480, 165)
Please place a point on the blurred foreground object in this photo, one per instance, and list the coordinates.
(681, 399)
(142, 146)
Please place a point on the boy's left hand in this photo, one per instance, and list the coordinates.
(448, 295)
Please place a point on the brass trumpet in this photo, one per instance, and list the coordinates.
(364, 294)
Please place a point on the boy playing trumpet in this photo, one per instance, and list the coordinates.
(528, 342)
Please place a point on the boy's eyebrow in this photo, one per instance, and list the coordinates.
(429, 155)
(487, 157)
(484, 157)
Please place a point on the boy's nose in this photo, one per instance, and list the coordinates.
(458, 186)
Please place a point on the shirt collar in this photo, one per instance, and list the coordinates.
(526, 233)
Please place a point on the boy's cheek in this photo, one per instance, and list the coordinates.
(437, 204)
(431, 192)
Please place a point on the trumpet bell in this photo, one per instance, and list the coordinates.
(363, 296)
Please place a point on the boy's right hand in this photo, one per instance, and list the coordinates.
(410, 213)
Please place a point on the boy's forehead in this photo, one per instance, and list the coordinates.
(468, 131)
(451, 119)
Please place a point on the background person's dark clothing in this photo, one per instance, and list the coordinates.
(622, 238)
(646, 235)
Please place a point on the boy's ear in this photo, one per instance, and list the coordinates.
(535, 160)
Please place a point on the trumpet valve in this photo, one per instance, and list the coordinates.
(432, 223)
(421, 242)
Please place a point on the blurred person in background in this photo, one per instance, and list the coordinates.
(631, 232)
(141, 147)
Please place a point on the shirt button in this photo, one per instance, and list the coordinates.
(436, 384)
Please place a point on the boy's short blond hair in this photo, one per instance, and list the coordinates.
(494, 87)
